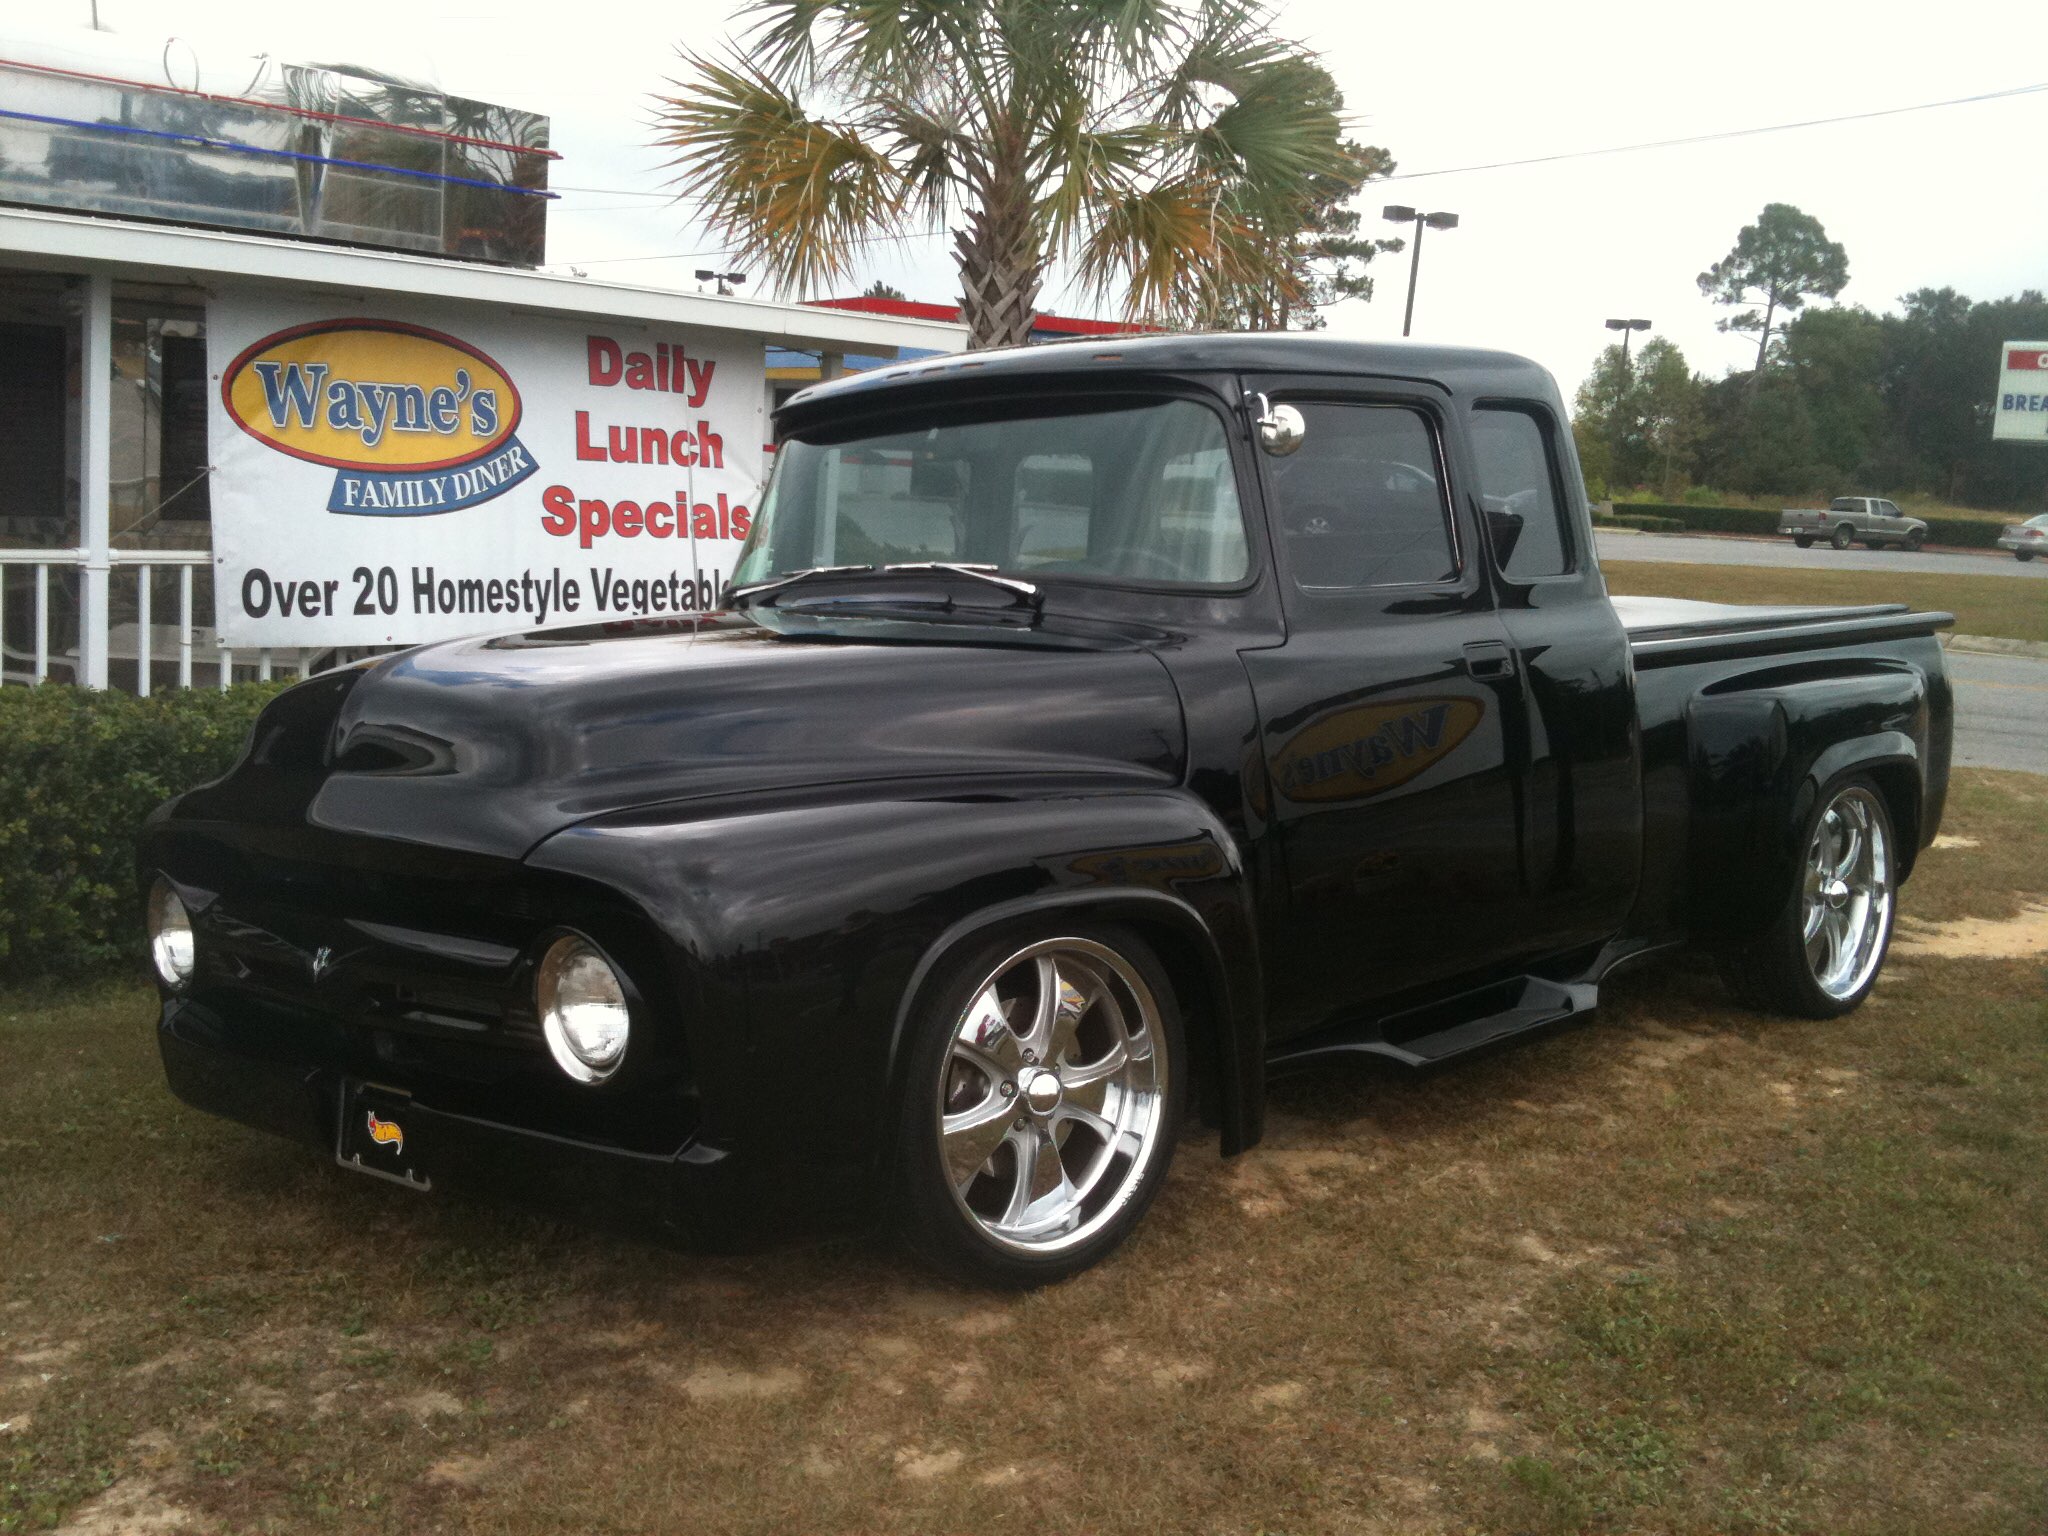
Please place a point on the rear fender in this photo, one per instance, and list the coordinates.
(1761, 749)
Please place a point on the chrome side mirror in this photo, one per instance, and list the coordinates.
(1281, 427)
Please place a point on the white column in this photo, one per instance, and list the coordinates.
(145, 577)
(95, 478)
(184, 626)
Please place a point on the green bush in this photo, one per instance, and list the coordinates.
(1966, 531)
(1704, 519)
(79, 770)
(1649, 524)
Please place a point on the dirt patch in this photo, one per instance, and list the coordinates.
(718, 1383)
(1978, 938)
(1659, 1047)
(462, 1472)
(922, 1466)
(1954, 840)
(1178, 1373)
(432, 1404)
(132, 1507)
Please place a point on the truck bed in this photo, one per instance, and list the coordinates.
(1663, 631)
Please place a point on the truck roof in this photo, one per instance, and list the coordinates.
(1462, 370)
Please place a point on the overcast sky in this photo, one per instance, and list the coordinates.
(1955, 197)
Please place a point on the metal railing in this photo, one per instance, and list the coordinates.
(198, 650)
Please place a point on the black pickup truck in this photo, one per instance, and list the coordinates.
(1090, 733)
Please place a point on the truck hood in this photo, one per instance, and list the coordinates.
(489, 746)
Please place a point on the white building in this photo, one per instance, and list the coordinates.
(193, 420)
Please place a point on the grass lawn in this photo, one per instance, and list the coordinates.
(1680, 1269)
(1983, 605)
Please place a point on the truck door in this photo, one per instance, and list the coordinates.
(1576, 756)
(1384, 716)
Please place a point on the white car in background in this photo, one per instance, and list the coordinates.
(2027, 539)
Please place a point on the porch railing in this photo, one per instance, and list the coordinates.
(198, 650)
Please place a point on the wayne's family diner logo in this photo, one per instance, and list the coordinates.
(412, 421)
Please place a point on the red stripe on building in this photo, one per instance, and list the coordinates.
(1043, 325)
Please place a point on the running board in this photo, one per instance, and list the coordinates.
(1425, 1036)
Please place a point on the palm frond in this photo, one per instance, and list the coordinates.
(794, 193)
(783, 37)
(1081, 169)
(1168, 246)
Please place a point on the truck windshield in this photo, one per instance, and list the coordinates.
(1133, 491)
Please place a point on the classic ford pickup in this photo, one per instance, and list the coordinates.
(1090, 733)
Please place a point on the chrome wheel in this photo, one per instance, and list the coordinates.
(1052, 1095)
(1847, 896)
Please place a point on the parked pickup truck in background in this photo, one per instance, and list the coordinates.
(2027, 539)
(1091, 732)
(1850, 519)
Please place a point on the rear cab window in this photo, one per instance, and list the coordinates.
(1515, 453)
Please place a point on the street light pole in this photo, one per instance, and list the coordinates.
(1397, 213)
(1627, 328)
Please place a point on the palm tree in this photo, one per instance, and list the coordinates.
(1144, 140)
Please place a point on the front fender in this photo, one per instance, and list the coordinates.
(811, 926)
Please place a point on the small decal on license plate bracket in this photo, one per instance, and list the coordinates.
(373, 1136)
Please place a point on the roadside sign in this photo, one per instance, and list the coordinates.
(2021, 412)
(419, 474)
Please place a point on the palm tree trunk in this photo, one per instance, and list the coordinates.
(1001, 262)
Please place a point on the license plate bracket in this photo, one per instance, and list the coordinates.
(374, 1135)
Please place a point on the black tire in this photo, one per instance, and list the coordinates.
(1913, 543)
(953, 1226)
(1843, 536)
(2023, 555)
(1803, 540)
(1772, 973)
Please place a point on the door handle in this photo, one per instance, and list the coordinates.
(1489, 660)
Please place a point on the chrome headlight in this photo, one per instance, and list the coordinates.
(583, 1010)
(171, 947)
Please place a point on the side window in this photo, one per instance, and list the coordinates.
(1360, 504)
(1516, 474)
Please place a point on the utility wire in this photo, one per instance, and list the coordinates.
(1452, 170)
(1709, 138)
(1587, 154)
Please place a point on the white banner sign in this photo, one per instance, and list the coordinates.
(2022, 414)
(398, 476)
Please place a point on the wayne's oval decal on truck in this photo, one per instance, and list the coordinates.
(1370, 748)
(416, 421)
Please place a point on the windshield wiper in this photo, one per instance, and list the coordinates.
(1023, 590)
(978, 572)
(790, 578)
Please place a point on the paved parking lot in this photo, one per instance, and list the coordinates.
(1778, 553)
(2001, 711)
